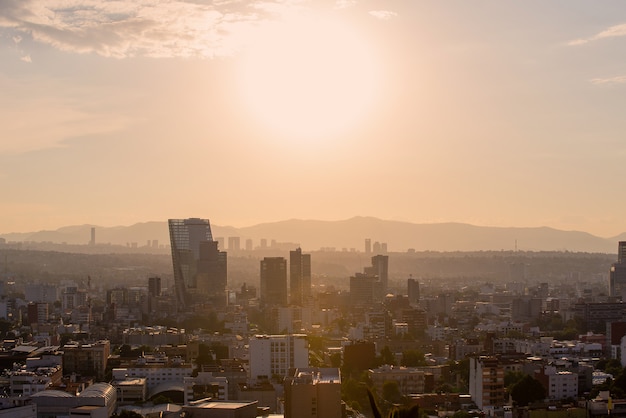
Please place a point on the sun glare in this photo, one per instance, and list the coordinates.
(309, 78)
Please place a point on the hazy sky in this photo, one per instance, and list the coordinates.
(485, 112)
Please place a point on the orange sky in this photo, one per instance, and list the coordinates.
(481, 112)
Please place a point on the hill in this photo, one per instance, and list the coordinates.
(350, 233)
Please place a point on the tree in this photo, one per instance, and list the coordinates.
(391, 392)
(387, 357)
(511, 378)
(527, 390)
(412, 358)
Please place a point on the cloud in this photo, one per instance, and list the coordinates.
(383, 14)
(612, 32)
(344, 4)
(621, 79)
(120, 29)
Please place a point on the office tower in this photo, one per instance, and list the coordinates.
(220, 242)
(93, 236)
(376, 248)
(368, 246)
(211, 274)
(263, 242)
(299, 276)
(413, 290)
(617, 273)
(364, 289)
(380, 268)
(154, 286)
(249, 245)
(197, 261)
(274, 281)
(234, 243)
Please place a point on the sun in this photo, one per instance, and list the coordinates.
(308, 78)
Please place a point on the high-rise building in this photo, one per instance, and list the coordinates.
(617, 273)
(413, 290)
(199, 266)
(249, 245)
(368, 246)
(299, 276)
(212, 274)
(274, 281)
(234, 243)
(380, 268)
(92, 241)
(154, 286)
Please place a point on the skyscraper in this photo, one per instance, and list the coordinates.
(154, 286)
(413, 290)
(299, 276)
(617, 274)
(198, 263)
(380, 268)
(274, 281)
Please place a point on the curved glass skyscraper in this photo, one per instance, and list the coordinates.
(199, 267)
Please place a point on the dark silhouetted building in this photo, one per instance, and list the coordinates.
(617, 274)
(154, 286)
(274, 281)
(299, 276)
(413, 290)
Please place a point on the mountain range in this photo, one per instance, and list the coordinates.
(350, 233)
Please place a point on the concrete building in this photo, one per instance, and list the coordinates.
(101, 397)
(413, 290)
(312, 393)
(205, 385)
(558, 384)
(157, 370)
(410, 379)
(131, 390)
(617, 273)
(86, 359)
(271, 356)
(299, 277)
(274, 281)
(486, 385)
(220, 409)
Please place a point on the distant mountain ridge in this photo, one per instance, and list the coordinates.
(350, 233)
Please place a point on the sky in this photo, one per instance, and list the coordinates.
(483, 112)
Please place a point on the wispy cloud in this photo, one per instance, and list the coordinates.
(612, 32)
(620, 79)
(168, 28)
(383, 14)
(344, 4)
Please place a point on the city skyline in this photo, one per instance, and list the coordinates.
(481, 113)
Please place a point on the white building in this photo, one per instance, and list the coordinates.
(273, 355)
(559, 384)
(155, 373)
